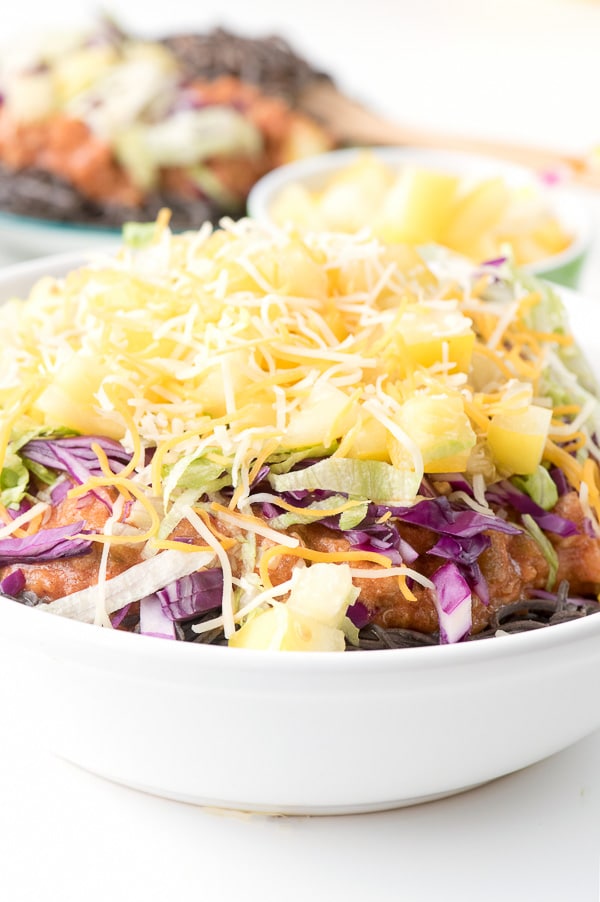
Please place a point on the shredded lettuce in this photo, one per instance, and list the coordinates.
(546, 548)
(539, 486)
(349, 519)
(370, 479)
(284, 462)
(203, 474)
(14, 480)
(137, 235)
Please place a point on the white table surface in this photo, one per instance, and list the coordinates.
(524, 71)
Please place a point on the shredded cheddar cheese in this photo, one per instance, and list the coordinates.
(324, 557)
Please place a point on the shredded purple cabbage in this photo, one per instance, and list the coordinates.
(371, 535)
(119, 616)
(560, 480)
(154, 621)
(461, 551)
(190, 596)
(506, 494)
(45, 545)
(74, 455)
(452, 600)
(438, 515)
(359, 614)
(13, 584)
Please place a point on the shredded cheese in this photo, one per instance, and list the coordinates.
(227, 602)
(325, 557)
(30, 515)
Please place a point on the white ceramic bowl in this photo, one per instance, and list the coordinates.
(309, 733)
(314, 173)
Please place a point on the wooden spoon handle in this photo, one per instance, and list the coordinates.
(352, 123)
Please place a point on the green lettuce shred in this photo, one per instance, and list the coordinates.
(540, 487)
(372, 480)
(546, 548)
(348, 518)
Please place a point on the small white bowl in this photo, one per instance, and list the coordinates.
(299, 733)
(314, 172)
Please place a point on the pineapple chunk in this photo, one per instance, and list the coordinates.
(441, 430)
(326, 414)
(282, 629)
(229, 378)
(312, 618)
(355, 195)
(475, 215)
(293, 272)
(295, 205)
(369, 440)
(428, 334)
(418, 206)
(323, 592)
(517, 440)
(70, 399)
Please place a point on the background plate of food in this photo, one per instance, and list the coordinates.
(98, 127)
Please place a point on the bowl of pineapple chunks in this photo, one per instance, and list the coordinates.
(476, 206)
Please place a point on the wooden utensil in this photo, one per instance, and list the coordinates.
(352, 123)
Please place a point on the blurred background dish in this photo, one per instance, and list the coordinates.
(98, 127)
(477, 206)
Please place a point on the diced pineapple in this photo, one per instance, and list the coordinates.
(282, 629)
(474, 215)
(70, 400)
(223, 381)
(325, 415)
(355, 276)
(295, 205)
(517, 440)
(433, 334)
(418, 206)
(293, 272)
(367, 170)
(552, 236)
(323, 593)
(354, 196)
(441, 430)
(369, 440)
(312, 617)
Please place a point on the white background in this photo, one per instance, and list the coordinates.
(525, 71)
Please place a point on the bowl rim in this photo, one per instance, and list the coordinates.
(559, 196)
(133, 647)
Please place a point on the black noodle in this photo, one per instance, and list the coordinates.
(517, 617)
(267, 62)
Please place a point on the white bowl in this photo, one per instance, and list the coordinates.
(308, 733)
(314, 173)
